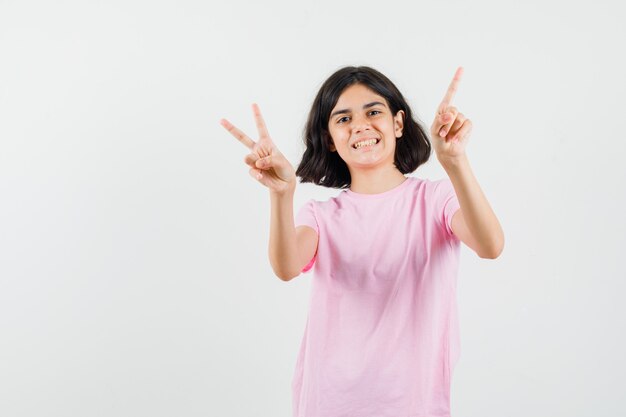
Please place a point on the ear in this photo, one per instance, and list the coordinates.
(399, 123)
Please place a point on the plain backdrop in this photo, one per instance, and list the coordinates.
(134, 276)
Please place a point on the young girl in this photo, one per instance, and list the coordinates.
(382, 334)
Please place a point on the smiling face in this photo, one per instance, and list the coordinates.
(362, 115)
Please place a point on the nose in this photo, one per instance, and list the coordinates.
(360, 123)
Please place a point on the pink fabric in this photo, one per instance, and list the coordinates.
(382, 335)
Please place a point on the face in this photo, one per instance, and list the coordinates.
(362, 115)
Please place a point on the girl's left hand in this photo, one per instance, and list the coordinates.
(451, 129)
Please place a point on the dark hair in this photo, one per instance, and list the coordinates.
(321, 166)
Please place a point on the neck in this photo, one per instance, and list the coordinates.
(375, 181)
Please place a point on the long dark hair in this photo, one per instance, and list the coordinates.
(321, 166)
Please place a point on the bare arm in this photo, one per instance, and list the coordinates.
(475, 223)
(290, 248)
(270, 168)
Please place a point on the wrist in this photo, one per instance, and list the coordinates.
(453, 163)
(288, 191)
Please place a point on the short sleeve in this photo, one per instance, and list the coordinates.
(446, 204)
(306, 217)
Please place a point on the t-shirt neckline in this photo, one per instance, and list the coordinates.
(384, 194)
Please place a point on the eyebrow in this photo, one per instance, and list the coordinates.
(367, 106)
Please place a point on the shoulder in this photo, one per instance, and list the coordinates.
(429, 184)
(438, 196)
(429, 189)
(439, 184)
(440, 188)
(332, 203)
(321, 208)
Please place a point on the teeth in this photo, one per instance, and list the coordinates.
(365, 143)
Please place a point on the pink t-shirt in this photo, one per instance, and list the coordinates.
(382, 335)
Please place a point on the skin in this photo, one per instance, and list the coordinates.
(267, 164)
(372, 169)
(475, 223)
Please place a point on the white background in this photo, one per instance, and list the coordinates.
(134, 277)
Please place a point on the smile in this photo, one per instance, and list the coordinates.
(366, 144)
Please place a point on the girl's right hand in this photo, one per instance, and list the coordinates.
(267, 164)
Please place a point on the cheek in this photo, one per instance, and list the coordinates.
(385, 123)
(337, 133)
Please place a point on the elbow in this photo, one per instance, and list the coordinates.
(284, 276)
(283, 270)
(490, 255)
(280, 272)
(494, 251)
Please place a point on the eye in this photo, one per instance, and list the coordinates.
(341, 120)
(374, 112)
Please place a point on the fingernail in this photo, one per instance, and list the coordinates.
(443, 133)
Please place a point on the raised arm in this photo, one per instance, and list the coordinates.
(475, 223)
(270, 167)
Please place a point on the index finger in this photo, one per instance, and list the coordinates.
(260, 123)
(454, 85)
(243, 138)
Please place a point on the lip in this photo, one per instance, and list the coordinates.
(361, 140)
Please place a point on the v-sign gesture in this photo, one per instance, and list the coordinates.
(267, 164)
(451, 129)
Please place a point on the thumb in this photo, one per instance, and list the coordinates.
(264, 163)
(279, 164)
(441, 120)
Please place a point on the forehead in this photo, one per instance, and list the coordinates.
(356, 95)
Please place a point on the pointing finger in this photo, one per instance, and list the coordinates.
(454, 85)
(266, 162)
(243, 138)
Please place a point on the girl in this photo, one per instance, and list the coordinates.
(382, 335)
